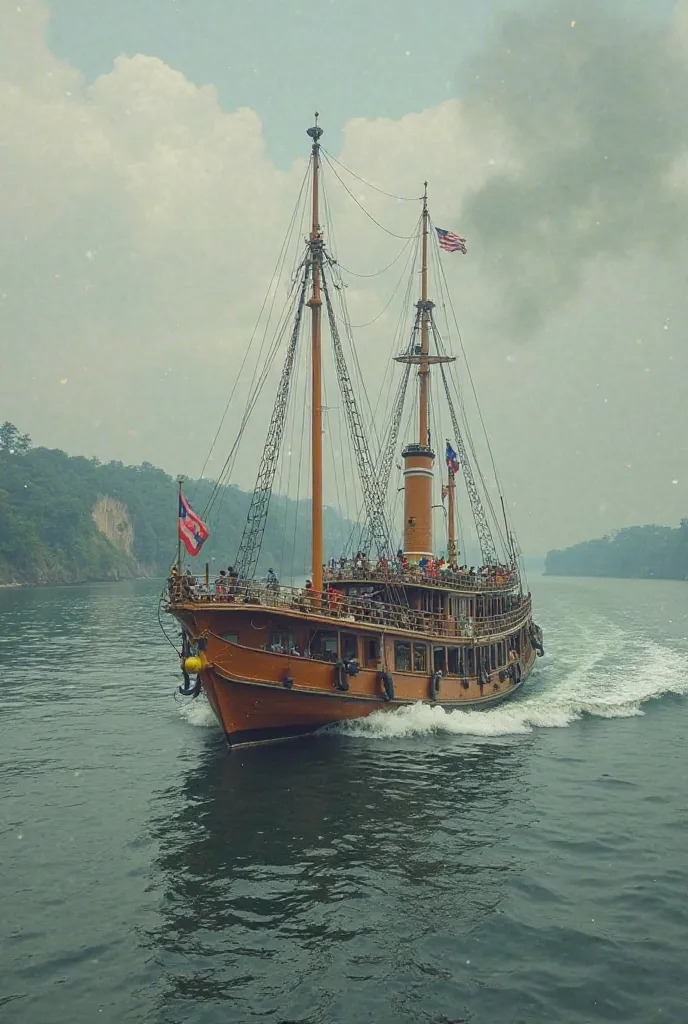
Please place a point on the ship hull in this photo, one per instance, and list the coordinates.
(346, 661)
(252, 713)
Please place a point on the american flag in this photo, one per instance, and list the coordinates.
(452, 459)
(451, 242)
(192, 530)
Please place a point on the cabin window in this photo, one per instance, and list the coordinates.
(469, 661)
(452, 661)
(420, 658)
(402, 656)
(281, 643)
(232, 638)
(439, 660)
(494, 655)
(426, 601)
(372, 650)
(349, 646)
(324, 645)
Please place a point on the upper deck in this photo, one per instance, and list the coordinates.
(193, 593)
(483, 581)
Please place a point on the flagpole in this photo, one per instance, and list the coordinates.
(180, 481)
(451, 541)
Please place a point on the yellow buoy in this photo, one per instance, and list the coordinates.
(193, 664)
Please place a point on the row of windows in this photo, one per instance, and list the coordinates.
(408, 656)
(328, 645)
(464, 607)
(450, 661)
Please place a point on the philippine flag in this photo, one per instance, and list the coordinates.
(192, 531)
(452, 459)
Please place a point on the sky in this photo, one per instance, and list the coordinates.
(150, 159)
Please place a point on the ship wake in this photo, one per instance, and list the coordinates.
(612, 674)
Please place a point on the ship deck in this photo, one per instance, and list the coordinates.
(335, 608)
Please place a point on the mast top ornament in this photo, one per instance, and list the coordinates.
(316, 131)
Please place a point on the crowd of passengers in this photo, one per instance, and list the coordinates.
(228, 582)
(360, 566)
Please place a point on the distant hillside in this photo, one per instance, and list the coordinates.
(70, 520)
(640, 552)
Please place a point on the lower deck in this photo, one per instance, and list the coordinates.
(299, 639)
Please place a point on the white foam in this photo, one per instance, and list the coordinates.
(198, 713)
(611, 675)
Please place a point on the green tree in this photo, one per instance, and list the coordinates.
(11, 441)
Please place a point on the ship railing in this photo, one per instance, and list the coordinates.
(503, 579)
(347, 611)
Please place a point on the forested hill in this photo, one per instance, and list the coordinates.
(70, 520)
(640, 552)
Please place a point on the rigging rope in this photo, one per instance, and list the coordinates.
(361, 207)
(219, 489)
(275, 276)
(384, 269)
(345, 319)
(357, 327)
(400, 199)
(470, 375)
(444, 290)
(251, 540)
(369, 484)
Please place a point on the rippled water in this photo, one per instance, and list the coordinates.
(525, 864)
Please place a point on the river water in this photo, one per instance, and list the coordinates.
(525, 864)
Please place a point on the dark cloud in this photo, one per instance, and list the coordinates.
(594, 107)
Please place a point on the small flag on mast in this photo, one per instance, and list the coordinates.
(193, 532)
(452, 459)
(451, 242)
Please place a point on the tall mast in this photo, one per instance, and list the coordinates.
(424, 368)
(315, 304)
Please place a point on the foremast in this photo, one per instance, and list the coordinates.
(315, 305)
(315, 294)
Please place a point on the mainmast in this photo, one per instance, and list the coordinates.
(424, 368)
(419, 458)
(315, 304)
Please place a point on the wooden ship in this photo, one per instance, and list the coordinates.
(390, 624)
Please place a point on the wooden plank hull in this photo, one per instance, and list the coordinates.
(258, 710)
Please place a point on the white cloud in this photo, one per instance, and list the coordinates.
(139, 228)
